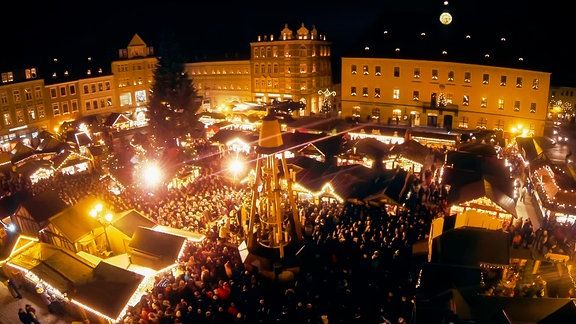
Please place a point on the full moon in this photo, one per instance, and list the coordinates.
(445, 18)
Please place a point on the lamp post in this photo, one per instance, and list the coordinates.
(326, 106)
(104, 219)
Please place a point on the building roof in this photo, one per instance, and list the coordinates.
(472, 246)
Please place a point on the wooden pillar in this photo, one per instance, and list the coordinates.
(536, 267)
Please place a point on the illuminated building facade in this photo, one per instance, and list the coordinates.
(454, 96)
(221, 83)
(22, 105)
(133, 74)
(292, 67)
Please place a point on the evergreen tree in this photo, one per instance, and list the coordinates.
(172, 108)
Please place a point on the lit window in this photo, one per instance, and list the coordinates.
(377, 93)
(463, 123)
(467, 77)
(450, 76)
(483, 104)
(501, 104)
(365, 70)
(434, 74)
(519, 82)
(353, 91)
(416, 95)
(416, 73)
(396, 94)
(503, 80)
(533, 108)
(354, 71)
(517, 105)
(378, 71)
(485, 78)
(465, 100)
(535, 83)
(364, 92)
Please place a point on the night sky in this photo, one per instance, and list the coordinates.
(71, 31)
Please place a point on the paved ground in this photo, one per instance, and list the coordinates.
(9, 307)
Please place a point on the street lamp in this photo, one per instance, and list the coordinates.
(104, 219)
(326, 107)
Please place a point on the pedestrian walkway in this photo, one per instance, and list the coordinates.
(9, 307)
(528, 209)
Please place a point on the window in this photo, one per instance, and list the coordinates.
(65, 108)
(7, 77)
(62, 91)
(376, 113)
(19, 116)
(503, 81)
(140, 96)
(256, 69)
(276, 69)
(41, 113)
(353, 69)
(519, 82)
(365, 70)
(72, 89)
(28, 94)
(31, 114)
(467, 77)
(450, 76)
(485, 78)
(535, 83)
(93, 87)
(463, 122)
(499, 125)
(353, 91)
(3, 98)
(396, 72)
(364, 92)
(270, 68)
(377, 93)
(38, 93)
(483, 103)
(449, 98)
(378, 70)
(16, 94)
(95, 104)
(269, 51)
(55, 109)
(396, 94)
(481, 123)
(86, 91)
(517, 105)
(30, 73)
(303, 68)
(88, 105)
(416, 73)
(74, 104)
(107, 85)
(533, 108)
(53, 93)
(256, 52)
(434, 74)
(7, 119)
(100, 86)
(416, 95)
(500, 104)
(465, 100)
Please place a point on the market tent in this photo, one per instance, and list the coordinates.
(35, 211)
(487, 187)
(412, 150)
(56, 266)
(494, 309)
(109, 291)
(529, 147)
(155, 249)
(129, 220)
(472, 246)
(75, 222)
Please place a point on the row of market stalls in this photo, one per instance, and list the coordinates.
(89, 264)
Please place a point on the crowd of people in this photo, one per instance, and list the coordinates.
(357, 264)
